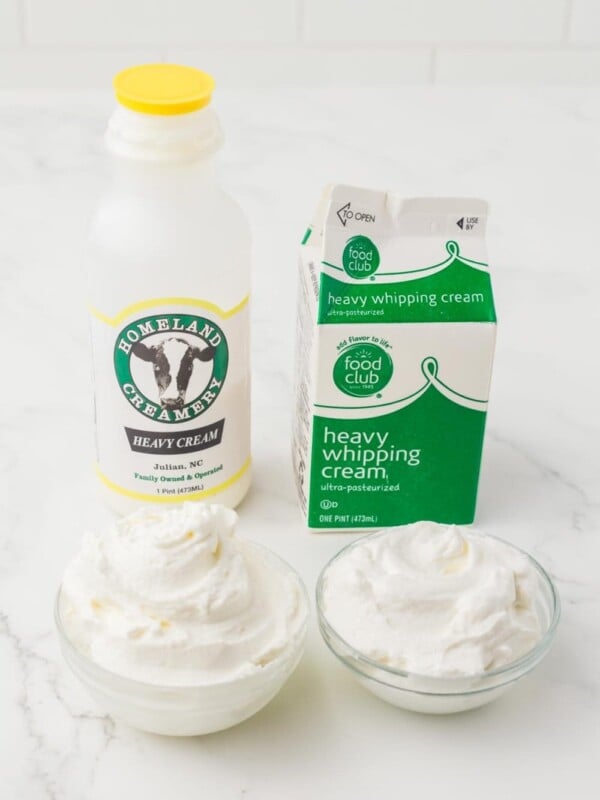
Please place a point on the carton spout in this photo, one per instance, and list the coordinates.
(394, 206)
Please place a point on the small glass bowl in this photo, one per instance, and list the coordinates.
(187, 710)
(441, 695)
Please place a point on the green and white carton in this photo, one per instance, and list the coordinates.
(395, 343)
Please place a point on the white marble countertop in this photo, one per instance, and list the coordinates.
(535, 155)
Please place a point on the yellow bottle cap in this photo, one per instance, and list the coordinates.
(164, 89)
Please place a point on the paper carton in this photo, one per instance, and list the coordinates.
(395, 342)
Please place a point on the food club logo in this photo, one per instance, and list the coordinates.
(362, 370)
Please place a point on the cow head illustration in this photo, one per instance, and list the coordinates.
(173, 362)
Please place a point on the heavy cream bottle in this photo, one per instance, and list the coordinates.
(169, 273)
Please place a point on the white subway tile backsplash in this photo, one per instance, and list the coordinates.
(41, 68)
(159, 22)
(585, 22)
(433, 21)
(564, 67)
(9, 22)
(81, 43)
(298, 66)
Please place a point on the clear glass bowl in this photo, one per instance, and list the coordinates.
(187, 710)
(436, 695)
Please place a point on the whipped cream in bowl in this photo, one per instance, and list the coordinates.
(177, 625)
(436, 618)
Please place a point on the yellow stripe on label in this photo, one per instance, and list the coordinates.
(152, 498)
(143, 305)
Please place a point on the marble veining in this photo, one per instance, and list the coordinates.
(534, 155)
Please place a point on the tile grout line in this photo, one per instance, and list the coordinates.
(22, 21)
(568, 18)
(433, 65)
(341, 47)
(300, 14)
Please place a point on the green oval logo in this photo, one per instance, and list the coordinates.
(362, 370)
(360, 258)
(171, 367)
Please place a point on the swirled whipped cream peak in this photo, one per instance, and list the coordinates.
(172, 596)
(434, 600)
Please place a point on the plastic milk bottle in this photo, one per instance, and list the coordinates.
(169, 275)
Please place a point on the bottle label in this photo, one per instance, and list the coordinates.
(172, 391)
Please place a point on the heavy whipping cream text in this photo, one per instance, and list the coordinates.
(362, 454)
